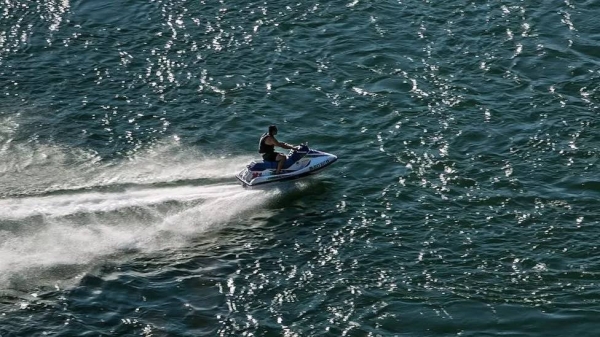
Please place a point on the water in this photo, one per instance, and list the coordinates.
(463, 203)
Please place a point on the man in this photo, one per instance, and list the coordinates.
(267, 145)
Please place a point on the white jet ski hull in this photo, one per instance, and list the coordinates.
(300, 163)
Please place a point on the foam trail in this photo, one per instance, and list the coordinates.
(90, 202)
(41, 244)
(69, 209)
(36, 169)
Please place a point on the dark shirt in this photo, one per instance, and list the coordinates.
(263, 147)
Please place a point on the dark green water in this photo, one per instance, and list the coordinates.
(464, 202)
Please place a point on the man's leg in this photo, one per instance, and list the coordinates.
(280, 163)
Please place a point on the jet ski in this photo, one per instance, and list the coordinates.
(301, 162)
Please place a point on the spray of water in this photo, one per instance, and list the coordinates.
(92, 210)
(43, 169)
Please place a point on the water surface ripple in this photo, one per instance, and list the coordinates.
(464, 202)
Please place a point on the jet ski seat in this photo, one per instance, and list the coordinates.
(265, 165)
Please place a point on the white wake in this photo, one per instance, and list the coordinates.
(75, 210)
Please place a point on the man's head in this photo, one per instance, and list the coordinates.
(272, 130)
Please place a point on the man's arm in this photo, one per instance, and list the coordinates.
(272, 141)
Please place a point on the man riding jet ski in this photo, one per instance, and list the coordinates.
(300, 162)
(266, 147)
